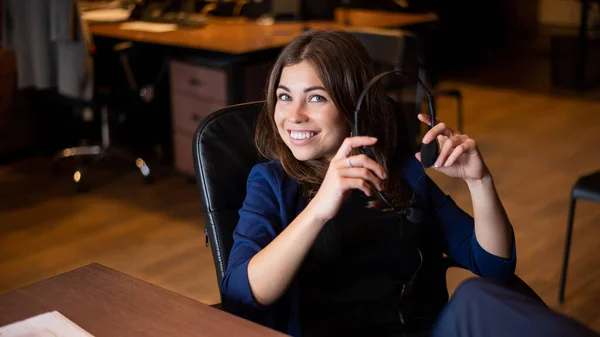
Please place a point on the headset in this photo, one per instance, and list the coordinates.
(429, 154)
(429, 151)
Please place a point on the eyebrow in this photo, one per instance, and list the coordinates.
(305, 90)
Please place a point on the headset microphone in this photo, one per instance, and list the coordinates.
(413, 214)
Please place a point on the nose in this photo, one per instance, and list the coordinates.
(297, 114)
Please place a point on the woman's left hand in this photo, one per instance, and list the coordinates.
(459, 155)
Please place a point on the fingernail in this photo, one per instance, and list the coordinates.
(437, 164)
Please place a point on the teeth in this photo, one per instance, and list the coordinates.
(302, 135)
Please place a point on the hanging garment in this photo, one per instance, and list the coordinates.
(52, 46)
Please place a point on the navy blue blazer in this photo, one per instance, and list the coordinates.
(273, 201)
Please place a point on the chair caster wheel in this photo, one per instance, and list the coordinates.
(80, 186)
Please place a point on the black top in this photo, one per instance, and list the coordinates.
(353, 276)
(273, 201)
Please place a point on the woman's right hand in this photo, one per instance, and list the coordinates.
(347, 172)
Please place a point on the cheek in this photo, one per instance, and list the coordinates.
(337, 123)
(278, 116)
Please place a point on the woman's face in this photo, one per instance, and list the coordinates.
(308, 121)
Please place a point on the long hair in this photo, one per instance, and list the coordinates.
(344, 67)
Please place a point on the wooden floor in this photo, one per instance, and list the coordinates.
(536, 143)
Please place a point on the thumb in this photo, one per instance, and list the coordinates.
(418, 156)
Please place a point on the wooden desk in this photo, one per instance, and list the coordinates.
(381, 19)
(239, 36)
(108, 303)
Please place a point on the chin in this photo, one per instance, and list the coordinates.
(303, 155)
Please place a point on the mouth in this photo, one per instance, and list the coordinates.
(301, 136)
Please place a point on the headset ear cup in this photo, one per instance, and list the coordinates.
(429, 153)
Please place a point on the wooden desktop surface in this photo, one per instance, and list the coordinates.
(105, 302)
(239, 36)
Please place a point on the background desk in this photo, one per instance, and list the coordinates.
(242, 36)
(227, 62)
(105, 302)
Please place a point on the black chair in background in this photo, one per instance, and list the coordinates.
(393, 49)
(224, 153)
(106, 97)
(587, 187)
(109, 97)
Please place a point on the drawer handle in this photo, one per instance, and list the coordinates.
(196, 82)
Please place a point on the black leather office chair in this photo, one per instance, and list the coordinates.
(224, 154)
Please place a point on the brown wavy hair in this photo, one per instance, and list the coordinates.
(344, 67)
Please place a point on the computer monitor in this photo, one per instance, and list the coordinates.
(167, 11)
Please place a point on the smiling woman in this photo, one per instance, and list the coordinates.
(306, 117)
(314, 253)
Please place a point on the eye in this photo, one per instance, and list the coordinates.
(317, 98)
(284, 97)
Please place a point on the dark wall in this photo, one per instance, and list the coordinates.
(467, 29)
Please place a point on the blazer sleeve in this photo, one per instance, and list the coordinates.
(461, 243)
(259, 223)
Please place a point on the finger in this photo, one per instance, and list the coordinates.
(447, 147)
(363, 160)
(465, 147)
(442, 139)
(362, 173)
(458, 151)
(351, 143)
(358, 183)
(440, 129)
(425, 118)
(418, 156)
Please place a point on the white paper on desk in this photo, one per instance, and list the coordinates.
(149, 26)
(50, 324)
(106, 15)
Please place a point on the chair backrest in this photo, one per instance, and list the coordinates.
(224, 153)
(385, 46)
(394, 49)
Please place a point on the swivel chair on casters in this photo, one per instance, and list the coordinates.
(106, 149)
